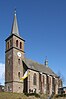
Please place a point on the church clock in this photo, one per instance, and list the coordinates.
(18, 54)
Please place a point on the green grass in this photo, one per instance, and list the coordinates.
(5, 95)
(62, 96)
(9, 95)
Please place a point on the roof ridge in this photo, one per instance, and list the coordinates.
(35, 61)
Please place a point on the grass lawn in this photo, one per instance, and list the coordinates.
(9, 95)
(5, 95)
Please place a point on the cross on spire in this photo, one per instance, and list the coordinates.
(15, 11)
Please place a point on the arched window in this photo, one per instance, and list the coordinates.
(34, 79)
(16, 43)
(8, 45)
(20, 45)
(43, 79)
(47, 84)
(19, 61)
(49, 80)
(8, 61)
(8, 88)
(19, 75)
(53, 84)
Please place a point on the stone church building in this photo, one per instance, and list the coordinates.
(41, 79)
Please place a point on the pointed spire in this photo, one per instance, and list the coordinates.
(15, 25)
(46, 62)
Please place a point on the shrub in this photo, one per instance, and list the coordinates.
(62, 95)
(32, 94)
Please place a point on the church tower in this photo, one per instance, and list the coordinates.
(14, 55)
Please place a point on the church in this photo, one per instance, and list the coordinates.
(41, 79)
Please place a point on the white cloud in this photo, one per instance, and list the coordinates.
(2, 73)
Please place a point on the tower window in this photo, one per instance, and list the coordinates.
(16, 43)
(8, 61)
(20, 45)
(8, 45)
(34, 79)
(19, 61)
(19, 74)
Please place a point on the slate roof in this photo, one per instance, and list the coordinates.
(15, 26)
(38, 67)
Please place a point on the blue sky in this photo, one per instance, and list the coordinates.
(42, 23)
